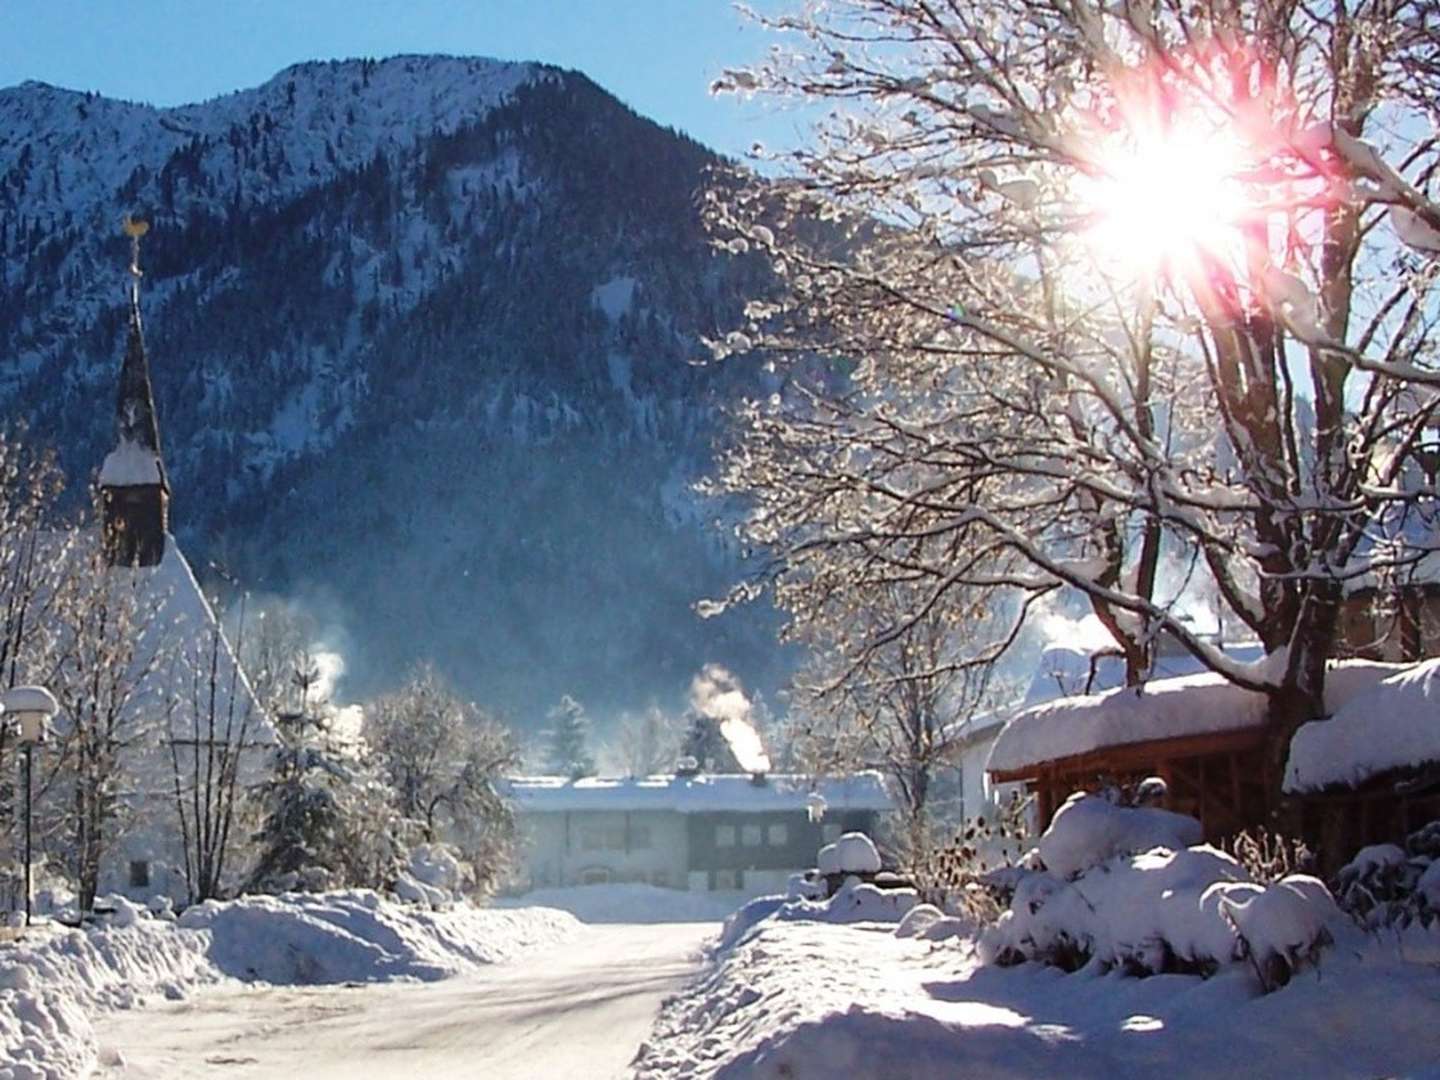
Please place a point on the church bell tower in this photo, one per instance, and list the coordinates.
(134, 491)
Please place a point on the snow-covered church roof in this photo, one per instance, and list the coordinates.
(1201, 704)
(700, 794)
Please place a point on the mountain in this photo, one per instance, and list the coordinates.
(425, 336)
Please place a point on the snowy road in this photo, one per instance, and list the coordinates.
(580, 1011)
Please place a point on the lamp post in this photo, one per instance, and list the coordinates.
(29, 709)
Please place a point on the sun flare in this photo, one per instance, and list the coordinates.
(1158, 199)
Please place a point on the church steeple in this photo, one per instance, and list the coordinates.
(134, 490)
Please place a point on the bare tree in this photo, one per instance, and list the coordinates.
(114, 640)
(213, 728)
(442, 759)
(646, 742)
(33, 552)
(1103, 281)
(890, 708)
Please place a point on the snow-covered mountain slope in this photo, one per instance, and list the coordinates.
(424, 337)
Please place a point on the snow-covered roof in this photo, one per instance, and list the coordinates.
(130, 465)
(1394, 724)
(700, 794)
(1200, 704)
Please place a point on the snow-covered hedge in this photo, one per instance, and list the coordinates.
(1129, 888)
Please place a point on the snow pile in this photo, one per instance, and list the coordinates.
(631, 903)
(355, 935)
(929, 923)
(810, 1001)
(1394, 725)
(52, 980)
(1088, 829)
(853, 853)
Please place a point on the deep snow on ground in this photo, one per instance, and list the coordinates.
(797, 998)
(579, 1009)
(57, 979)
(632, 903)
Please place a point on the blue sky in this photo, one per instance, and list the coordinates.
(658, 56)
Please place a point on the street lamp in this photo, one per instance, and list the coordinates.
(29, 709)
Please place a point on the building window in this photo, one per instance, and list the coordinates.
(777, 835)
(752, 835)
(139, 874)
(727, 880)
(724, 835)
(639, 836)
(595, 875)
(830, 832)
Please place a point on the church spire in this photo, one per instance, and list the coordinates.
(134, 488)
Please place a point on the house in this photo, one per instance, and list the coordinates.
(693, 831)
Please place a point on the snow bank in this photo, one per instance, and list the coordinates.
(1160, 709)
(1396, 723)
(355, 935)
(52, 980)
(810, 1001)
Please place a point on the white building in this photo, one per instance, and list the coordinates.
(695, 832)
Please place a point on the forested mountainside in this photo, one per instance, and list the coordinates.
(425, 338)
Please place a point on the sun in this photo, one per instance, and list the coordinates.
(1158, 198)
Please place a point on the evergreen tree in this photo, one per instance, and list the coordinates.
(327, 820)
(570, 740)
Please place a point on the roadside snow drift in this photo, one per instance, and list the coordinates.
(805, 1000)
(53, 980)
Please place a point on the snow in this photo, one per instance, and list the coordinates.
(1395, 724)
(130, 465)
(630, 902)
(20, 699)
(578, 1009)
(701, 794)
(809, 1000)
(1088, 829)
(1205, 703)
(855, 854)
(615, 296)
(55, 978)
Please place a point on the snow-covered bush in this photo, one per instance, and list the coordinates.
(1128, 888)
(1387, 885)
(1088, 829)
(853, 853)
